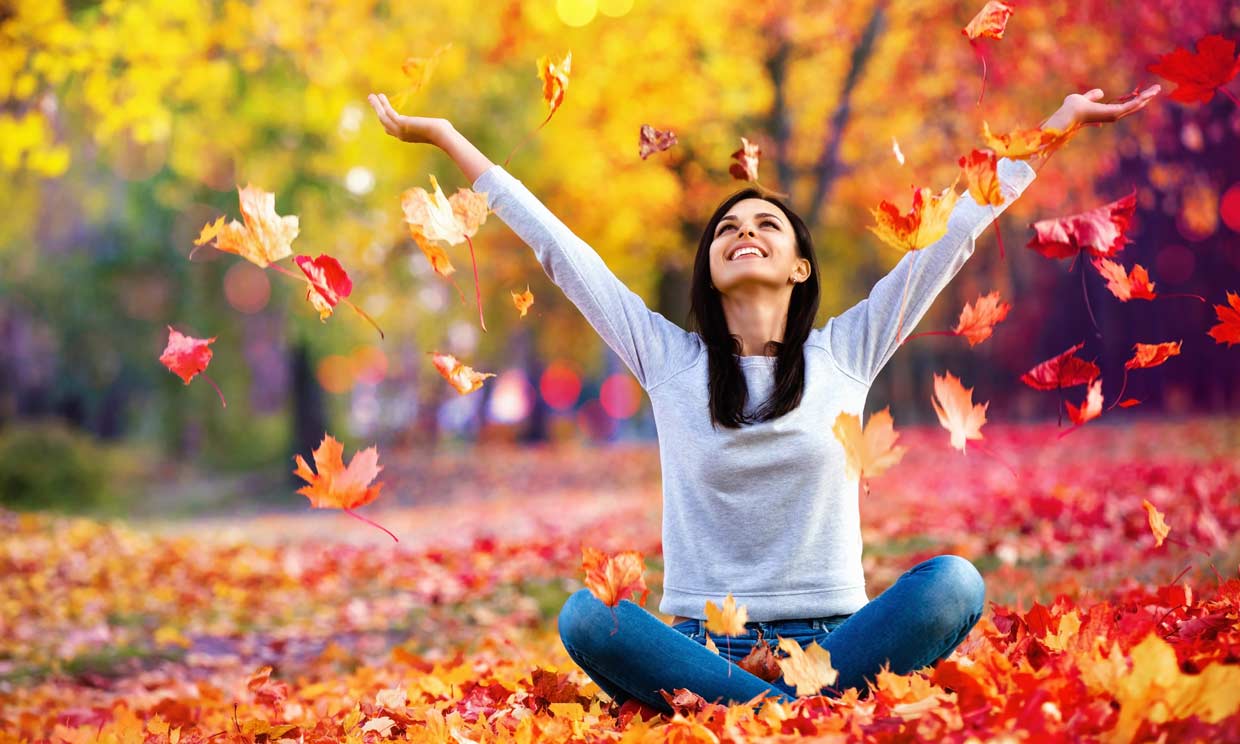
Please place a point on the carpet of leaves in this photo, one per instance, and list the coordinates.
(310, 628)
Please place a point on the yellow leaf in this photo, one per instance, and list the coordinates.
(1156, 690)
(924, 224)
(871, 452)
(808, 669)
(730, 620)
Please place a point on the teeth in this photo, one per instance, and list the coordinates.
(746, 251)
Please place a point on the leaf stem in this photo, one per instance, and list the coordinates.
(207, 377)
(362, 313)
(477, 288)
(355, 515)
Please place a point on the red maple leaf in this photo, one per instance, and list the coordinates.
(1227, 331)
(186, 356)
(1197, 75)
(1100, 231)
(1064, 370)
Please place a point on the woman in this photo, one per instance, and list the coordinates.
(755, 497)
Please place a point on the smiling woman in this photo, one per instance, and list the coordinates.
(758, 501)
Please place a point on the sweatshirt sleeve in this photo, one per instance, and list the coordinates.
(652, 346)
(862, 338)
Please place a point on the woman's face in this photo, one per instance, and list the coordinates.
(754, 245)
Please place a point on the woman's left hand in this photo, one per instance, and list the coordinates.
(1087, 108)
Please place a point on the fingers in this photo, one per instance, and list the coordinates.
(384, 117)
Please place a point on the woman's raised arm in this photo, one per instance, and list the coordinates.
(650, 345)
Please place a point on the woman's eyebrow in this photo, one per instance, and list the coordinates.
(759, 214)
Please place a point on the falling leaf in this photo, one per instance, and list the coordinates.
(334, 486)
(470, 209)
(462, 377)
(1227, 330)
(868, 453)
(431, 215)
(808, 669)
(1062, 371)
(1100, 231)
(990, 21)
(329, 282)
(265, 238)
(977, 321)
(895, 150)
(1091, 408)
(953, 403)
(523, 300)
(1023, 144)
(746, 167)
(554, 80)
(1158, 525)
(612, 578)
(981, 174)
(1151, 355)
(729, 620)
(761, 662)
(1125, 286)
(1129, 403)
(186, 356)
(1198, 75)
(651, 140)
(418, 70)
(921, 226)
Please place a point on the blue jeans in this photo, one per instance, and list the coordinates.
(631, 654)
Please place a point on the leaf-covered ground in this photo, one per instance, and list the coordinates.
(165, 632)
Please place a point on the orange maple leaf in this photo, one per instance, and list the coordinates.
(418, 70)
(1145, 356)
(612, 578)
(982, 175)
(953, 403)
(925, 223)
(977, 321)
(461, 376)
(1023, 144)
(523, 300)
(1091, 408)
(990, 21)
(265, 237)
(554, 79)
(1158, 525)
(335, 486)
(728, 620)
(1125, 286)
(1227, 330)
(761, 662)
(808, 669)
(871, 452)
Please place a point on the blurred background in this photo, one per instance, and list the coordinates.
(125, 127)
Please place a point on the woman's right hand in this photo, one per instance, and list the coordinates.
(419, 129)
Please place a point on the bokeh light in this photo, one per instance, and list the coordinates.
(1173, 264)
(370, 364)
(1198, 218)
(560, 385)
(1229, 207)
(335, 373)
(576, 12)
(511, 397)
(246, 287)
(620, 395)
(615, 8)
(595, 422)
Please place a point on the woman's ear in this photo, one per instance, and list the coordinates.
(801, 271)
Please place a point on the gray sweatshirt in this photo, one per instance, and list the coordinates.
(766, 511)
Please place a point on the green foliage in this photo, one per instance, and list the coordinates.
(50, 466)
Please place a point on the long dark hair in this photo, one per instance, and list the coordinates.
(728, 392)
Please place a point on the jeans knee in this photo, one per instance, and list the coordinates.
(960, 591)
(578, 618)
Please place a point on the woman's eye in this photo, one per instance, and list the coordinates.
(768, 222)
(722, 229)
